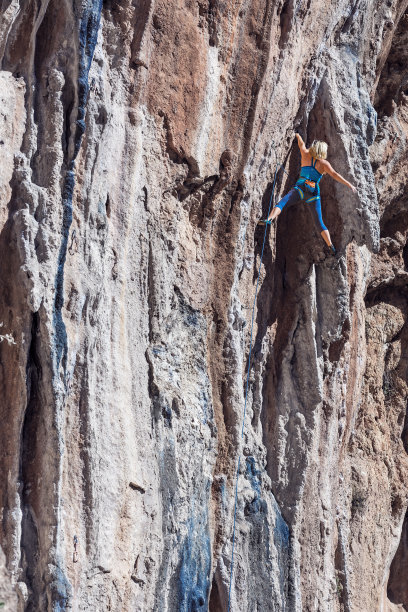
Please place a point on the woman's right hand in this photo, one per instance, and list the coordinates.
(353, 189)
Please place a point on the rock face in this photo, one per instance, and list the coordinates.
(139, 145)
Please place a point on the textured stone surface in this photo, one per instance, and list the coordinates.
(139, 142)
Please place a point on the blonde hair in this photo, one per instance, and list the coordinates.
(318, 149)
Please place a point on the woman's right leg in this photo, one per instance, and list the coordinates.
(318, 220)
(326, 237)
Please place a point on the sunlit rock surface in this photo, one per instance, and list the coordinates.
(139, 142)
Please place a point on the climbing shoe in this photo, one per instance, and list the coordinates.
(335, 252)
(264, 221)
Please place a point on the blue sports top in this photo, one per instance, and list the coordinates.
(310, 172)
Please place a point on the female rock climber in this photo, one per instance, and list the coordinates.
(314, 165)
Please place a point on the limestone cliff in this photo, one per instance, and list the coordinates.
(139, 140)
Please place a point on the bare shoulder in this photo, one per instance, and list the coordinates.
(323, 166)
(306, 157)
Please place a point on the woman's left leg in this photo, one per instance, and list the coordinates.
(288, 200)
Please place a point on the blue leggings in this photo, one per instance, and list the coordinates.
(314, 206)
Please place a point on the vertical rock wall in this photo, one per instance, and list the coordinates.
(139, 143)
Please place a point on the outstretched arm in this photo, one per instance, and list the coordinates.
(337, 177)
(301, 144)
